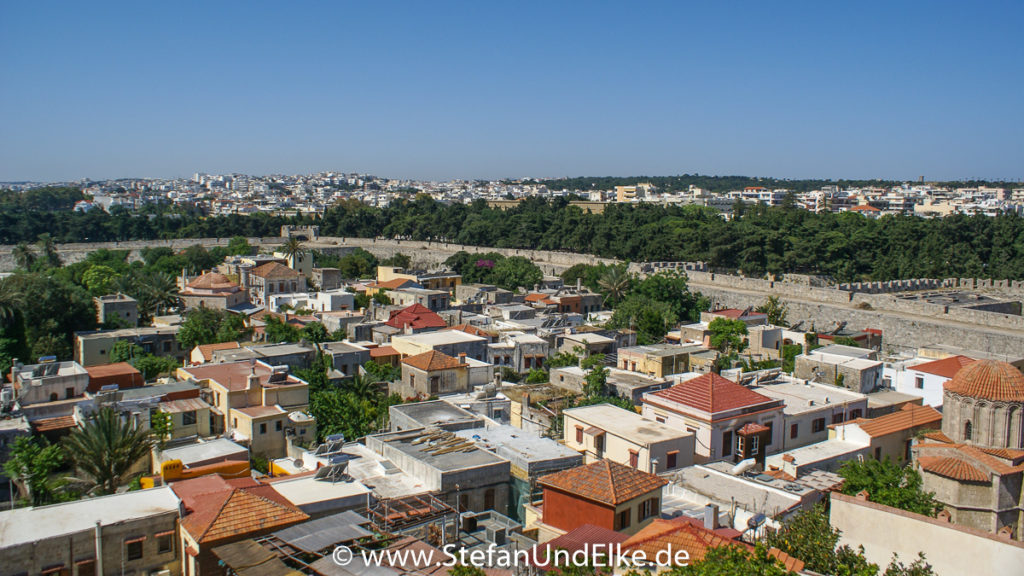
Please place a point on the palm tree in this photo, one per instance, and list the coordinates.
(48, 248)
(159, 292)
(615, 283)
(361, 386)
(293, 249)
(105, 450)
(11, 301)
(23, 255)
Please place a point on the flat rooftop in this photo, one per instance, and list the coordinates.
(804, 396)
(308, 490)
(203, 451)
(883, 398)
(434, 413)
(715, 482)
(515, 445)
(282, 349)
(341, 347)
(157, 390)
(841, 350)
(625, 424)
(380, 474)
(417, 444)
(817, 452)
(439, 338)
(128, 332)
(27, 525)
(661, 350)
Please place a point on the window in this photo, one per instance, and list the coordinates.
(919, 382)
(660, 419)
(69, 392)
(463, 502)
(133, 549)
(489, 499)
(967, 430)
(740, 444)
(854, 414)
(165, 543)
(878, 453)
(188, 418)
(167, 346)
(579, 434)
(263, 428)
(53, 397)
(794, 430)
(634, 458)
(623, 522)
(599, 443)
(644, 510)
(671, 459)
(818, 425)
(755, 444)
(278, 425)
(727, 443)
(837, 418)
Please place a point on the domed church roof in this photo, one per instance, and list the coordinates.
(212, 281)
(988, 379)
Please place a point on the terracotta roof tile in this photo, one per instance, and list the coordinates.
(910, 417)
(274, 271)
(238, 511)
(712, 393)
(433, 360)
(474, 330)
(382, 351)
(212, 281)
(583, 537)
(604, 481)
(395, 284)
(947, 367)
(207, 350)
(416, 316)
(55, 423)
(989, 379)
(952, 468)
(752, 428)
(938, 436)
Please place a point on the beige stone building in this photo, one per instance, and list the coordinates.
(606, 431)
(975, 466)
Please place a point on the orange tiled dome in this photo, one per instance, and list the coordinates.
(212, 281)
(988, 379)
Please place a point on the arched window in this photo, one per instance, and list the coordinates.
(967, 430)
(53, 397)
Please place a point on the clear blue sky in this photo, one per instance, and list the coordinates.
(478, 89)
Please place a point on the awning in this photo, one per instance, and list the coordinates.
(165, 533)
(134, 540)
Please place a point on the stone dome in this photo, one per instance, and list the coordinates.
(990, 380)
(212, 281)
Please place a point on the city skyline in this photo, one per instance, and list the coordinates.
(465, 91)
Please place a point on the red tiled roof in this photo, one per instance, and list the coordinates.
(952, 468)
(274, 271)
(416, 316)
(711, 393)
(55, 423)
(394, 283)
(604, 481)
(239, 512)
(938, 436)
(689, 535)
(988, 379)
(121, 373)
(474, 330)
(865, 208)
(235, 375)
(115, 369)
(433, 360)
(383, 351)
(947, 367)
(212, 281)
(752, 428)
(973, 455)
(583, 537)
(207, 350)
(736, 313)
(910, 417)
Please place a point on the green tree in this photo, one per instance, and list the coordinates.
(48, 251)
(314, 332)
(24, 256)
(775, 309)
(382, 372)
(31, 462)
(919, 567)
(516, 272)
(161, 424)
(537, 376)
(239, 246)
(809, 536)
(650, 318)
(733, 560)
(199, 327)
(728, 337)
(124, 351)
(152, 366)
(889, 484)
(104, 449)
(615, 284)
(596, 381)
(277, 330)
(99, 279)
(400, 260)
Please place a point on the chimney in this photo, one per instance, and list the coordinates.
(711, 516)
(579, 284)
(462, 357)
(252, 382)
